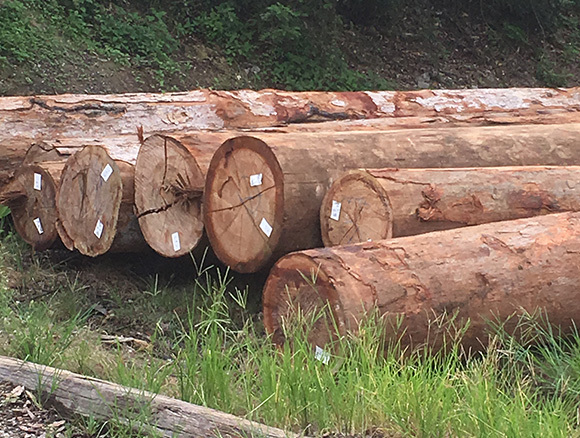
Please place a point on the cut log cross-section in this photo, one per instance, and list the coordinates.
(263, 193)
(376, 204)
(31, 196)
(480, 273)
(89, 200)
(168, 188)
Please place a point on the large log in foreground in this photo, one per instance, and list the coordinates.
(93, 187)
(104, 400)
(480, 273)
(263, 193)
(31, 196)
(377, 204)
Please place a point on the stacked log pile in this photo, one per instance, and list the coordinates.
(267, 173)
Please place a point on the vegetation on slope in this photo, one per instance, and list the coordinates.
(129, 45)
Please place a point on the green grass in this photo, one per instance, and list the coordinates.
(212, 351)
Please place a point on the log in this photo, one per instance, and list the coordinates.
(89, 201)
(72, 115)
(95, 398)
(31, 197)
(263, 193)
(377, 204)
(476, 274)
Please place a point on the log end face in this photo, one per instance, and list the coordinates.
(244, 203)
(34, 211)
(89, 200)
(355, 209)
(168, 191)
(299, 296)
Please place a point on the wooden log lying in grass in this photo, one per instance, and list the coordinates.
(92, 190)
(31, 196)
(104, 400)
(263, 193)
(377, 204)
(480, 273)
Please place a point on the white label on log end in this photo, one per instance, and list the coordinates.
(38, 225)
(106, 173)
(99, 229)
(335, 213)
(37, 181)
(176, 242)
(256, 180)
(266, 227)
(321, 355)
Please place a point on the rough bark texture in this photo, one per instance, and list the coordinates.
(250, 226)
(481, 273)
(376, 204)
(89, 199)
(31, 196)
(103, 400)
(168, 187)
(98, 115)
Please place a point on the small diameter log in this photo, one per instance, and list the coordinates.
(263, 193)
(89, 199)
(168, 188)
(377, 204)
(476, 274)
(95, 398)
(31, 196)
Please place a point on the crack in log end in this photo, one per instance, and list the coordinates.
(90, 109)
(244, 201)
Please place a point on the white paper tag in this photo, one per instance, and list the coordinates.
(321, 355)
(335, 213)
(37, 181)
(38, 225)
(106, 173)
(266, 227)
(176, 242)
(256, 180)
(99, 229)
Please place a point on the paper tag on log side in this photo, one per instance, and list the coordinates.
(37, 181)
(335, 213)
(99, 229)
(38, 225)
(256, 180)
(266, 227)
(321, 355)
(106, 173)
(176, 242)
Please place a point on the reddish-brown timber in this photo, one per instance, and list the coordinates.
(31, 196)
(95, 203)
(476, 274)
(377, 204)
(263, 193)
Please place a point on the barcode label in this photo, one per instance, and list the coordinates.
(37, 181)
(106, 173)
(38, 225)
(335, 213)
(256, 180)
(266, 227)
(99, 229)
(321, 355)
(176, 242)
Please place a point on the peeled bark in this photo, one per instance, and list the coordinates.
(104, 115)
(377, 204)
(252, 223)
(476, 274)
(90, 199)
(31, 196)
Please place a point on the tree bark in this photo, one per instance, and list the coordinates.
(90, 200)
(251, 223)
(377, 204)
(97, 115)
(103, 400)
(436, 281)
(31, 196)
